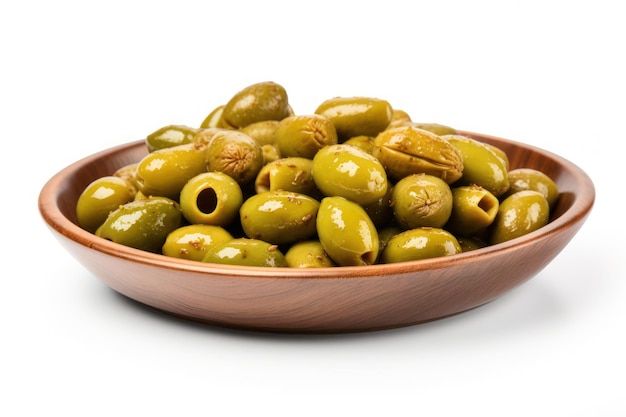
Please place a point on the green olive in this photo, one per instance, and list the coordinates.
(171, 135)
(470, 243)
(532, 179)
(346, 232)
(436, 128)
(128, 173)
(308, 254)
(263, 132)
(288, 174)
(421, 200)
(386, 233)
(363, 142)
(356, 116)
(304, 135)
(380, 211)
(474, 208)
(504, 158)
(212, 198)
(100, 198)
(142, 224)
(256, 103)
(164, 172)
(347, 171)
(519, 214)
(214, 118)
(205, 136)
(408, 150)
(279, 216)
(270, 153)
(399, 118)
(481, 166)
(246, 252)
(236, 154)
(192, 241)
(420, 243)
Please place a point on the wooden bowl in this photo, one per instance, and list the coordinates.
(325, 300)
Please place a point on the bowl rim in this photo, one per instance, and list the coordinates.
(58, 222)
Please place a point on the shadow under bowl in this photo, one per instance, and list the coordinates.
(320, 300)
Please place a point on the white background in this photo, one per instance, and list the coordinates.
(77, 77)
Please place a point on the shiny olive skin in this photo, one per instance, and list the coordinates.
(399, 118)
(263, 132)
(100, 198)
(142, 224)
(519, 214)
(481, 166)
(436, 128)
(236, 154)
(287, 174)
(532, 179)
(409, 150)
(346, 232)
(246, 252)
(171, 135)
(270, 154)
(308, 254)
(193, 241)
(356, 116)
(420, 243)
(279, 216)
(304, 135)
(474, 209)
(214, 118)
(212, 198)
(256, 103)
(504, 158)
(347, 171)
(421, 200)
(363, 142)
(164, 172)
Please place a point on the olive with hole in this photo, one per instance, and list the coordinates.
(212, 198)
(287, 174)
(473, 209)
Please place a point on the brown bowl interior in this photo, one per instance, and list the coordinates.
(326, 300)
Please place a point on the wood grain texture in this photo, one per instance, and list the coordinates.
(328, 300)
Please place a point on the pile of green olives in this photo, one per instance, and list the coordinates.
(355, 182)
